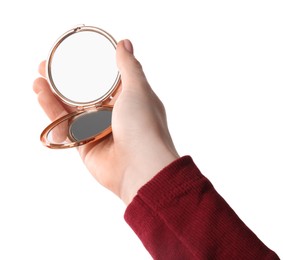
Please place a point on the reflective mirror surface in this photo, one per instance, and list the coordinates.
(90, 124)
(82, 67)
(82, 72)
(76, 130)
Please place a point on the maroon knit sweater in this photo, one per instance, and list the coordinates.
(179, 215)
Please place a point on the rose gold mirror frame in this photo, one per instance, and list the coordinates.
(72, 103)
(81, 107)
(47, 130)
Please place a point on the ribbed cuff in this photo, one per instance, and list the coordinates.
(170, 182)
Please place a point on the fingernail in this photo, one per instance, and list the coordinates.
(128, 46)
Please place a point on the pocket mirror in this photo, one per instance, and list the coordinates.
(82, 73)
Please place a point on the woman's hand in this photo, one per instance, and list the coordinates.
(140, 144)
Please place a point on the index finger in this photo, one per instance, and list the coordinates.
(42, 68)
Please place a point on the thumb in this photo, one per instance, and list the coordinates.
(131, 71)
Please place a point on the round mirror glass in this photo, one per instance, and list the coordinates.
(89, 125)
(82, 66)
(73, 130)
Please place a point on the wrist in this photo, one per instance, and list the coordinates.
(138, 174)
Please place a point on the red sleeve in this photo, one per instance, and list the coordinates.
(179, 215)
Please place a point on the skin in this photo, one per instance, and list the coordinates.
(140, 144)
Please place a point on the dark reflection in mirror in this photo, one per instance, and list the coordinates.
(90, 124)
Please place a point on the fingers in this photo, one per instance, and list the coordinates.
(49, 103)
(42, 69)
(130, 69)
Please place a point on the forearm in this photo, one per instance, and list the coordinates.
(179, 215)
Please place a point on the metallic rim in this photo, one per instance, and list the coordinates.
(80, 105)
(71, 143)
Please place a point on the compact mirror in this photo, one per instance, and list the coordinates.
(82, 73)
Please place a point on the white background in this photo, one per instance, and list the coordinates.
(216, 65)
